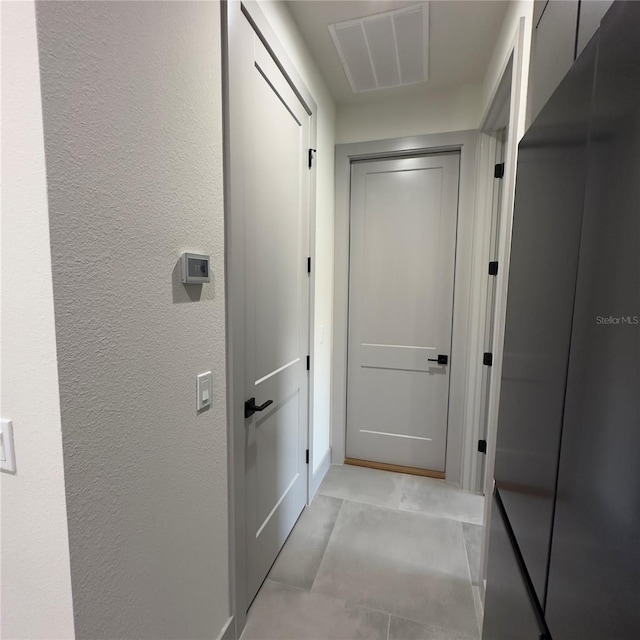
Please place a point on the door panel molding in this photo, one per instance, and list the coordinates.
(464, 142)
(233, 13)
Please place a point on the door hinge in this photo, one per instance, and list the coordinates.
(309, 265)
(308, 363)
(493, 268)
(307, 457)
(487, 359)
(498, 170)
(311, 153)
(482, 446)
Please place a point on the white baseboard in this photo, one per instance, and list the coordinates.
(318, 476)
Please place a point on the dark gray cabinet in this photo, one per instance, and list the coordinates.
(594, 574)
(591, 13)
(510, 609)
(552, 51)
(561, 31)
(567, 474)
(552, 163)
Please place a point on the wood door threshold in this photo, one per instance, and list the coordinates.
(383, 466)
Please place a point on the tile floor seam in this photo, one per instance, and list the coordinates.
(364, 607)
(326, 546)
(434, 626)
(422, 623)
(420, 514)
(416, 511)
(351, 603)
(393, 502)
(466, 555)
(284, 584)
(358, 605)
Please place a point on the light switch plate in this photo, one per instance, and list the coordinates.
(7, 452)
(204, 390)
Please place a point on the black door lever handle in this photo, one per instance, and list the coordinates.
(441, 359)
(250, 407)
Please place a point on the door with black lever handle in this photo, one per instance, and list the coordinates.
(250, 407)
(441, 359)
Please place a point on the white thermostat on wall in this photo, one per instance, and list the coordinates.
(195, 268)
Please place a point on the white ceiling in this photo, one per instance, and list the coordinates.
(462, 34)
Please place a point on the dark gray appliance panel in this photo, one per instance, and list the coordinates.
(542, 277)
(594, 576)
(509, 611)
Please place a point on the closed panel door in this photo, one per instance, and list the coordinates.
(403, 236)
(276, 193)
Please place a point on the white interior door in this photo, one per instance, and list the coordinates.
(403, 237)
(276, 243)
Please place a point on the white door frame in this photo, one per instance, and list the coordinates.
(511, 89)
(232, 13)
(466, 143)
(497, 117)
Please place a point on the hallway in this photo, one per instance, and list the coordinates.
(377, 555)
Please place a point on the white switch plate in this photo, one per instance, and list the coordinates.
(7, 452)
(204, 390)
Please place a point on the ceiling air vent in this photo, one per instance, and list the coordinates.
(386, 50)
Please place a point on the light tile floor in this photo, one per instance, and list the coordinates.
(376, 556)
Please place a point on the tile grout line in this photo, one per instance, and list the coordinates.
(473, 595)
(358, 605)
(396, 506)
(324, 553)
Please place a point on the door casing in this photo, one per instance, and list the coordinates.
(464, 142)
(507, 106)
(232, 13)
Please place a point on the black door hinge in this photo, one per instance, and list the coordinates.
(307, 456)
(498, 170)
(308, 363)
(482, 446)
(487, 359)
(309, 265)
(493, 268)
(311, 152)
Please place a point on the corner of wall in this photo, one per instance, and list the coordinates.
(516, 11)
(36, 583)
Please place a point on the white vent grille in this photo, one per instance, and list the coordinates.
(386, 50)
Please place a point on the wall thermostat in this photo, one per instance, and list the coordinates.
(195, 268)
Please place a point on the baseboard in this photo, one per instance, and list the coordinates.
(318, 476)
(383, 466)
(228, 632)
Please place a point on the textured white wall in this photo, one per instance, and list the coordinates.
(451, 109)
(133, 138)
(36, 585)
(287, 32)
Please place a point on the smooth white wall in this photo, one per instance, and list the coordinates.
(289, 36)
(36, 584)
(450, 109)
(133, 138)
